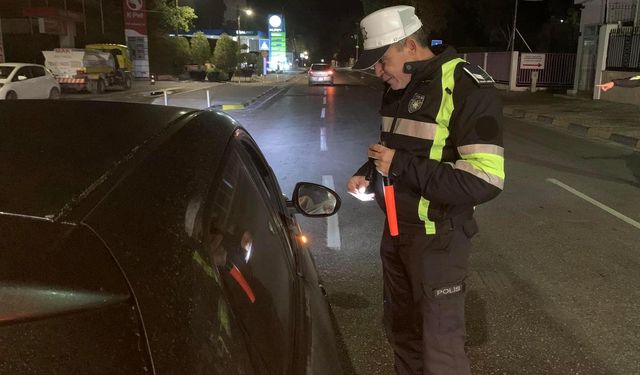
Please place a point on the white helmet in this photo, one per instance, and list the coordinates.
(384, 27)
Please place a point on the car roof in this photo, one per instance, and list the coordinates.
(61, 152)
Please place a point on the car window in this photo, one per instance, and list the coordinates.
(245, 243)
(320, 67)
(24, 71)
(5, 71)
(37, 71)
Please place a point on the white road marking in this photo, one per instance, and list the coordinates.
(324, 100)
(325, 92)
(322, 112)
(333, 225)
(323, 139)
(594, 202)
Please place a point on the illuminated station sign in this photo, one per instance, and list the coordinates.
(277, 36)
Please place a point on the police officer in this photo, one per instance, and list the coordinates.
(441, 150)
(622, 82)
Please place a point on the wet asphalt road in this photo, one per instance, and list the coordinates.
(555, 281)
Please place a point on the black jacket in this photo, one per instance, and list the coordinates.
(628, 82)
(470, 168)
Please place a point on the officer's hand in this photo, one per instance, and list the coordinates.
(382, 157)
(606, 86)
(357, 184)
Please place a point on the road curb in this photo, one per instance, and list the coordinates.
(612, 133)
(243, 105)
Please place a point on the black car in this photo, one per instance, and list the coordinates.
(139, 239)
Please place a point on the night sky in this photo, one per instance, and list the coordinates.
(322, 27)
(326, 28)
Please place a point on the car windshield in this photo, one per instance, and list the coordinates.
(5, 71)
(320, 67)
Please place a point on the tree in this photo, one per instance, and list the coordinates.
(183, 51)
(167, 55)
(225, 55)
(200, 48)
(259, 65)
(175, 18)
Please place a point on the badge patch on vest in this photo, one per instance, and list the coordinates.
(479, 75)
(449, 290)
(416, 102)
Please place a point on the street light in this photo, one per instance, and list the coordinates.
(248, 12)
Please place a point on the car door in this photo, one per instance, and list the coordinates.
(40, 84)
(317, 344)
(22, 84)
(247, 242)
(151, 222)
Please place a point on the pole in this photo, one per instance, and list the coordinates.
(238, 32)
(513, 32)
(525, 42)
(1, 45)
(166, 100)
(101, 17)
(84, 18)
(208, 100)
(636, 21)
(177, 31)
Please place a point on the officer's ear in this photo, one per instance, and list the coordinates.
(411, 46)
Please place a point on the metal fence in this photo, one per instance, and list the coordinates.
(623, 52)
(498, 65)
(621, 11)
(559, 70)
(475, 58)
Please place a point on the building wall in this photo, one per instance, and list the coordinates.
(592, 13)
(23, 40)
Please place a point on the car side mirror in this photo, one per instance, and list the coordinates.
(315, 200)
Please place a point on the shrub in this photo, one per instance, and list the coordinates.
(225, 55)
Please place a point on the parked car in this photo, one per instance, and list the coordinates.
(140, 239)
(27, 81)
(321, 73)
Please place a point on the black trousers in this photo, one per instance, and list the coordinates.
(424, 291)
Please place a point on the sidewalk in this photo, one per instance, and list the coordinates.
(612, 121)
(226, 96)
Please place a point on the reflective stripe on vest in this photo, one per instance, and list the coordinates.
(442, 133)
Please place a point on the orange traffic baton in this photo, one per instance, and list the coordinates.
(390, 204)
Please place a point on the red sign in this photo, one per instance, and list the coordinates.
(135, 16)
